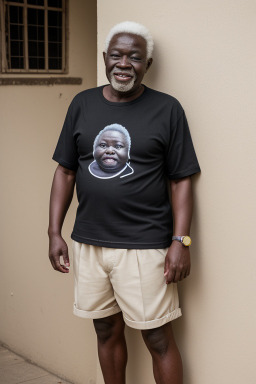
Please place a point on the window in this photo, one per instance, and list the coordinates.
(33, 36)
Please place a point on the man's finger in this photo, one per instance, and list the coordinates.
(177, 276)
(52, 263)
(66, 258)
(166, 266)
(170, 276)
(166, 275)
(60, 267)
(183, 275)
(187, 272)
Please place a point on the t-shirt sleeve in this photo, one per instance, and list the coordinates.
(66, 150)
(181, 156)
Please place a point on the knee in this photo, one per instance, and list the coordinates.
(107, 329)
(156, 340)
(104, 330)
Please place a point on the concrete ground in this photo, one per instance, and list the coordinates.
(16, 370)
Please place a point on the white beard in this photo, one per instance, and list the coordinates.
(122, 87)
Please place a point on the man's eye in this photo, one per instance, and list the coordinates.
(118, 146)
(135, 58)
(102, 145)
(114, 56)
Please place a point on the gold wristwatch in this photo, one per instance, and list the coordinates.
(185, 240)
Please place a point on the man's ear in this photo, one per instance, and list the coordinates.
(149, 63)
(104, 56)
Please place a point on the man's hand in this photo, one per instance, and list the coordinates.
(177, 263)
(58, 248)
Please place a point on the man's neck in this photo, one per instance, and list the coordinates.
(120, 97)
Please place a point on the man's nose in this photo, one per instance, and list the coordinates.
(124, 62)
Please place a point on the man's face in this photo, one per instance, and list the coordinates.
(126, 62)
(111, 152)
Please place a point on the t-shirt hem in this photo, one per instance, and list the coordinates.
(186, 173)
(120, 245)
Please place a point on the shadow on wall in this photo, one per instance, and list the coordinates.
(189, 293)
(139, 367)
(151, 77)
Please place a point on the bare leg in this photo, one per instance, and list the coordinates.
(167, 364)
(112, 348)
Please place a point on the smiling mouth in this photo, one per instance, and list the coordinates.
(122, 76)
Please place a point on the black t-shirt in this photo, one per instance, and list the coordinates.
(123, 171)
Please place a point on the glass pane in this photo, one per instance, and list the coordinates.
(35, 17)
(55, 3)
(54, 50)
(35, 33)
(55, 34)
(16, 32)
(16, 1)
(36, 2)
(35, 49)
(40, 49)
(16, 14)
(35, 63)
(32, 63)
(54, 18)
(17, 48)
(17, 63)
(32, 49)
(55, 63)
(41, 63)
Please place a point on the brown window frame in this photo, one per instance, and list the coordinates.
(3, 52)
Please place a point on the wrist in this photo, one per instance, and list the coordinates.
(53, 232)
(184, 240)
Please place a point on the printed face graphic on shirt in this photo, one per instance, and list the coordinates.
(111, 150)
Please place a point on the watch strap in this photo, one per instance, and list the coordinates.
(178, 238)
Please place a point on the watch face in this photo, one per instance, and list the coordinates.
(186, 241)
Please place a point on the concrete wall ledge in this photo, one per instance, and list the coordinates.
(41, 81)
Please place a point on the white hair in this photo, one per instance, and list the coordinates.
(135, 29)
(114, 127)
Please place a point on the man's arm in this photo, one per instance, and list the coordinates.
(177, 261)
(61, 197)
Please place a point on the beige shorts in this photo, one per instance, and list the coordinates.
(108, 281)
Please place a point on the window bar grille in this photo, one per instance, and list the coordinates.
(20, 61)
(63, 61)
(2, 34)
(25, 33)
(8, 37)
(46, 66)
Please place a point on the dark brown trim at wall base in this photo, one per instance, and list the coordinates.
(41, 81)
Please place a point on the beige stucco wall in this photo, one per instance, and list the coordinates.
(205, 56)
(36, 302)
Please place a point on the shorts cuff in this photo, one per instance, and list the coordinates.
(96, 314)
(154, 323)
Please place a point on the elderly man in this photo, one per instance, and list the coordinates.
(128, 255)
